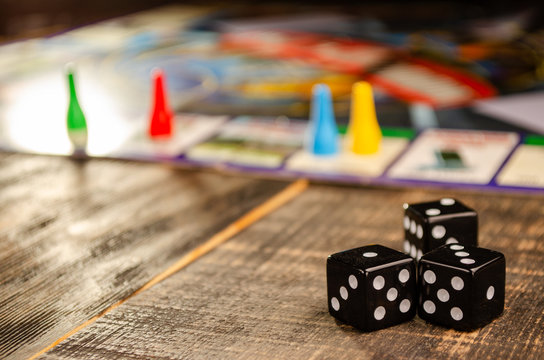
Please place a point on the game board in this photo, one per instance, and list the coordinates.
(394, 73)
(210, 84)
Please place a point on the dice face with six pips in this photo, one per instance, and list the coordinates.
(432, 224)
(371, 287)
(461, 286)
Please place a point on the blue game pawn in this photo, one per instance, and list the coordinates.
(322, 138)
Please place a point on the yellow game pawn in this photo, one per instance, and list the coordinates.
(364, 134)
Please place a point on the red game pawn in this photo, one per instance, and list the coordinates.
(161, 124)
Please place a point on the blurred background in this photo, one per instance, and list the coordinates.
(27, 18)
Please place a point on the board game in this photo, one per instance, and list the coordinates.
(239, 108)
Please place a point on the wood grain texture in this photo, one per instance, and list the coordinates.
(216, 240)
(262, 294)
(76, 237)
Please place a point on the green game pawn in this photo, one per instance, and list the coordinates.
(75, 120)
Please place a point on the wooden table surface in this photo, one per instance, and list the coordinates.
(109, 259)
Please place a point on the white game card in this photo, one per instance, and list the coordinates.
(455, 156)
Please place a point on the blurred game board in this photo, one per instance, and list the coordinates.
(392, 72)
(209, 74)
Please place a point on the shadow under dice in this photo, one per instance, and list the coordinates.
(461, 286)
(371, 287)
(432, 224)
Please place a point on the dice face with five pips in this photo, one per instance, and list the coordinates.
(371, 287)
(461, 286)
(432, 224)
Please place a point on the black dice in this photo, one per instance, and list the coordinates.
(432, 224)
(461, 286)
(371, 287)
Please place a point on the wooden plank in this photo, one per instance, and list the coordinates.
(263, 295)
(77, 237)
(246, 220)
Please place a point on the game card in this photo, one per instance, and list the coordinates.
(455, 156)
(525, 167)
(190, 129)
(348, 163)
(254, 142)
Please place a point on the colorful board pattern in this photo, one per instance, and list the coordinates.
(207, 72)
